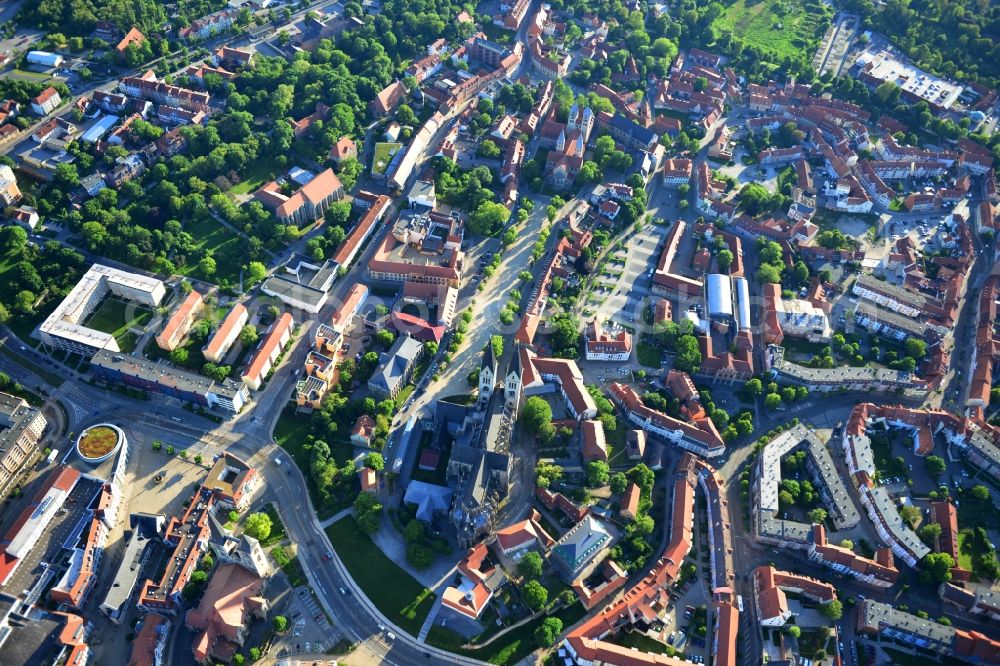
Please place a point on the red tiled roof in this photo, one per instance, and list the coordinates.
(133, 36)
(270, 344)
(630, 500)
(594, 445)
(221, 335)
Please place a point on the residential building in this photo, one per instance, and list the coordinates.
(207, 26)
(396, 367)
(133, 36)
(587, 644)
(150, 642)
(539, 375)
(180, 322)
(893, 625)
(629, 509)
(822, 380)
(137, 373)
(46, 101)
(376, 207)
(611, 578)
(227, 333)
(21, 428)
(770, 586)
(32, 636)
(363, 431)
(268, 352)
(878, 572)
(635, 444)
(343, 149)
(700, 436)
(668, 282)
(10, 194)
(232, 58)
(144, 528)
(234, 482)
(147, 87)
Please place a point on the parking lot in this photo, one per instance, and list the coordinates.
(621, 293)
(310, 632)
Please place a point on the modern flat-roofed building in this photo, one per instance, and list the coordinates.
(23, 534)
(226, 334)
(144, 528)
(21, 426)
(139, 373)
(180, 322)
(64, 328)
(268, 352)
(36, 637)
(304, 284)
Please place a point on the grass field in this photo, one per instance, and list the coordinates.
(225, 245)
(384, 151)
(648, 355)
(116, 317)
(779, 27)
(393, 591)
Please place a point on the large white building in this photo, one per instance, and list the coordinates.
(64, 329)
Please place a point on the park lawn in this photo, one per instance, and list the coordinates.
(225, 245)
(252, 179)
(384, 151)
(782, 28)
(393, 591)
(965, 552)
(296, 576)
(648, 355)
